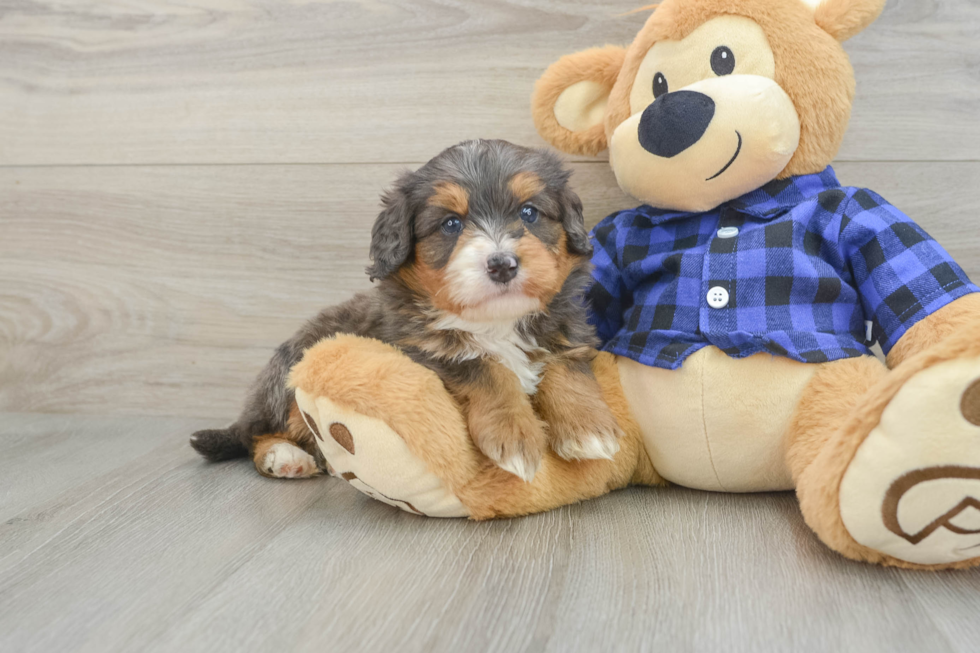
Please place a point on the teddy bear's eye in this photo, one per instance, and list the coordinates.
(659, 85)
(722, 61)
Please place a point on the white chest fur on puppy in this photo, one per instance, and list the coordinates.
(501, 341)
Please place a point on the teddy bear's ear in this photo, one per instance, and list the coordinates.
(842, 19)
(569, 101)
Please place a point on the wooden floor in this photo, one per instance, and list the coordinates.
(183, 182)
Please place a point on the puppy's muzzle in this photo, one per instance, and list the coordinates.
(675, 122)
(502, 267)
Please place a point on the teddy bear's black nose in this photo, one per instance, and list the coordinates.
(675, 122)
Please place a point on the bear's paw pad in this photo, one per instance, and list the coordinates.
(367, 453)
(912, 490)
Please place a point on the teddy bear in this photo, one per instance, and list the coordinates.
(736, 306)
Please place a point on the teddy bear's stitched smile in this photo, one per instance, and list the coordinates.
(731, 161)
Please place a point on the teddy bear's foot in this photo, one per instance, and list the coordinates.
(368, 454)
(912, 490)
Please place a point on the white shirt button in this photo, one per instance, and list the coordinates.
(717, 297)
(728, 232)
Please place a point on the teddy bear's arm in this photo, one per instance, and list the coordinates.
(960, 316)
(909, 285)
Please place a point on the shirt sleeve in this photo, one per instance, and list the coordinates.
(607, 293)
(901, 273)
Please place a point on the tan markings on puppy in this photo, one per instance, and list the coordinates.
(288, 454)
(545, 270)
(581, 425)
(452, 197)
(502, 422)
(431, 282)
(277, 456)
(570, 352)
(525, 185)
(428, 281)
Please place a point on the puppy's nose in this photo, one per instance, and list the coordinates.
(675, 122)
(502, 267)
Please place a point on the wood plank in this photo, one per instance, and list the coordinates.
(44, 458)
(166, 553)
(162, 290)
(243, 81)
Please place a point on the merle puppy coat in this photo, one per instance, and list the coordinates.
(482, 258)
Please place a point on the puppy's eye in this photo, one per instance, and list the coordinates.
(659, 85)
(452, 225)
(529, 214)
(722, 61)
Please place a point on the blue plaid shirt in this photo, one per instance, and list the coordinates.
(803, 264)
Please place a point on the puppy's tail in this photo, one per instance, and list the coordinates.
(218, 444)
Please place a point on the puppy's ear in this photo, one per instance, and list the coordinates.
(392, 235)
(574, 223)
(842, 19)
(569, 101)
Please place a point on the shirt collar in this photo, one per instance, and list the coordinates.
(781, 195)
(773, 199)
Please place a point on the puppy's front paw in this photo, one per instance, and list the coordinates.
(285, 460)
(516, 447)
(592, 435)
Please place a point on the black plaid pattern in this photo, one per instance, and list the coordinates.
(810, 263)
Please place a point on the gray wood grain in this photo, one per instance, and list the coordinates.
(162, 552)
(252, 81)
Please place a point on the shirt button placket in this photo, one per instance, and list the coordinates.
(719, 277)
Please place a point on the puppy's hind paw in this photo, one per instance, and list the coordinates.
(285, 460)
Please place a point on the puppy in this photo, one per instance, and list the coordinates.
(482, 257)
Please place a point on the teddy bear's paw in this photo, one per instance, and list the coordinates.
(285, 460)
(368, 454)
(912, 490)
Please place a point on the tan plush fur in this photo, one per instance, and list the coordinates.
(842, 19)
(831, 450)
(811, 67)
(835, 391)
(600, 65)
(821, 92)
(962, 315)
(379, 381)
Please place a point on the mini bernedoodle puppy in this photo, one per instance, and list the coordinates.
(482, 258)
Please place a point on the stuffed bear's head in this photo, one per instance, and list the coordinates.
(713, 98)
